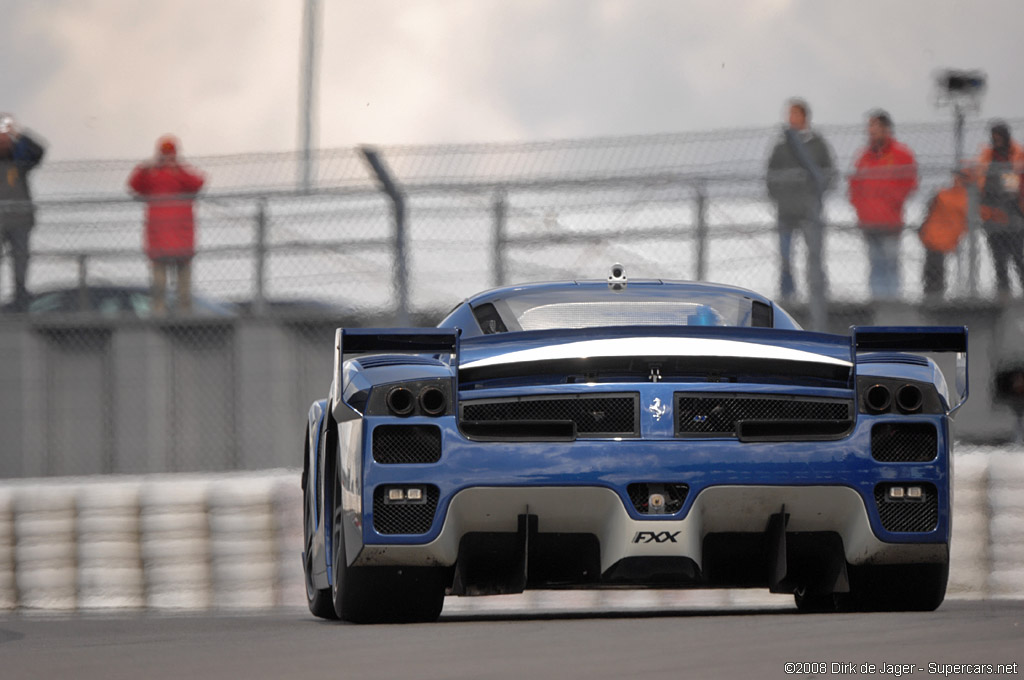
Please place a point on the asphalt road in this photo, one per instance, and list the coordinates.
(725, 643)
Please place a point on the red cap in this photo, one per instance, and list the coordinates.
(167, 145)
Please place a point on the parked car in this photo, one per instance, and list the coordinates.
(112, 301)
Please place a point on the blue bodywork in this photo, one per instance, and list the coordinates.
(461, 354)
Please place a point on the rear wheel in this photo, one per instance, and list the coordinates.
(381, 594)
(898, 587)
(821, 604)
(318, 600)
(883, 588)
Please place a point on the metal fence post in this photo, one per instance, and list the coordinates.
(701, 231)
(259, 299)
(498, 245)
(83, 283)
(817, 293)
(398, 203)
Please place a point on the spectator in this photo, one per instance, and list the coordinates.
(885, 175)
(19, 154)
(943, 226)
(169, 188)
(999, 168)
(800, 170)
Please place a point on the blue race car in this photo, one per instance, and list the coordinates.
(649, 434)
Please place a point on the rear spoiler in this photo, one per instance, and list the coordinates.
(352, 341)
(917, 339)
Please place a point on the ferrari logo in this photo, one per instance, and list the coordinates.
(657, 409)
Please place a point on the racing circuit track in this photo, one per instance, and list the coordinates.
(692, 643)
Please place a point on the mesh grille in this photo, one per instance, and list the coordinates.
(404, 517)
(904, 514)
(706, 414)
(612, 415)
(904, 442)
(640, 493)
(406, 444)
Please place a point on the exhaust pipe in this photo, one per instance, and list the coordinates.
(909, 398)
(433, 401)
(400, 401)
(877, 399)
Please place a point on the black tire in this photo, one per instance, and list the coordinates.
(318, 600)
(821, 604)
(381, 594)
(898, 587)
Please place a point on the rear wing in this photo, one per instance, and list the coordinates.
(917, 339)
(353, 341)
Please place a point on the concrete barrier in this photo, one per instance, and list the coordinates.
(232, 541)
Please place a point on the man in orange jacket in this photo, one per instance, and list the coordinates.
(886, 174)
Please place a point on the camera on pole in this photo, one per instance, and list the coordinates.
(960, 89)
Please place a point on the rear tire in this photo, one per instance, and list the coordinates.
(883, 588)
(821, 604)
(318, 600)
(898, 587)
(381, 594)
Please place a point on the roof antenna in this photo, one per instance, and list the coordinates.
(618, 280)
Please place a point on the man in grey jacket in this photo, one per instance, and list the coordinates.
(801, 169)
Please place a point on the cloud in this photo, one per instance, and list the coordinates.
(126, 72)
(104, 78)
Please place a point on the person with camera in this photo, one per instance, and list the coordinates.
(19, 154)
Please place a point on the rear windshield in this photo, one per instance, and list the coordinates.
(595, 309)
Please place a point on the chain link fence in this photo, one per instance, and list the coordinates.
(101, 385)
(687, 206)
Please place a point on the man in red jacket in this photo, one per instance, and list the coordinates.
(886, 175)
(169, 188)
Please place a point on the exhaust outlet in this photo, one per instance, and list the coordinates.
(433, 401)
(400, 401)
(909, 398)
(877, 399)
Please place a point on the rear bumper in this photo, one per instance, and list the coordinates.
(601, 512)
(581, 487)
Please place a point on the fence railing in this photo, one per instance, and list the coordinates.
(417, 250)
(399, 231)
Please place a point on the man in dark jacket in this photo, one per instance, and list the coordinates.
(999, 168)
(19, 153)
(800, 171)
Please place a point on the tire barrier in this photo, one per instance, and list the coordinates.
(1006, 530)
(232, 541)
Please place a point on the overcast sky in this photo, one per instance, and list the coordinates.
(104, 78)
